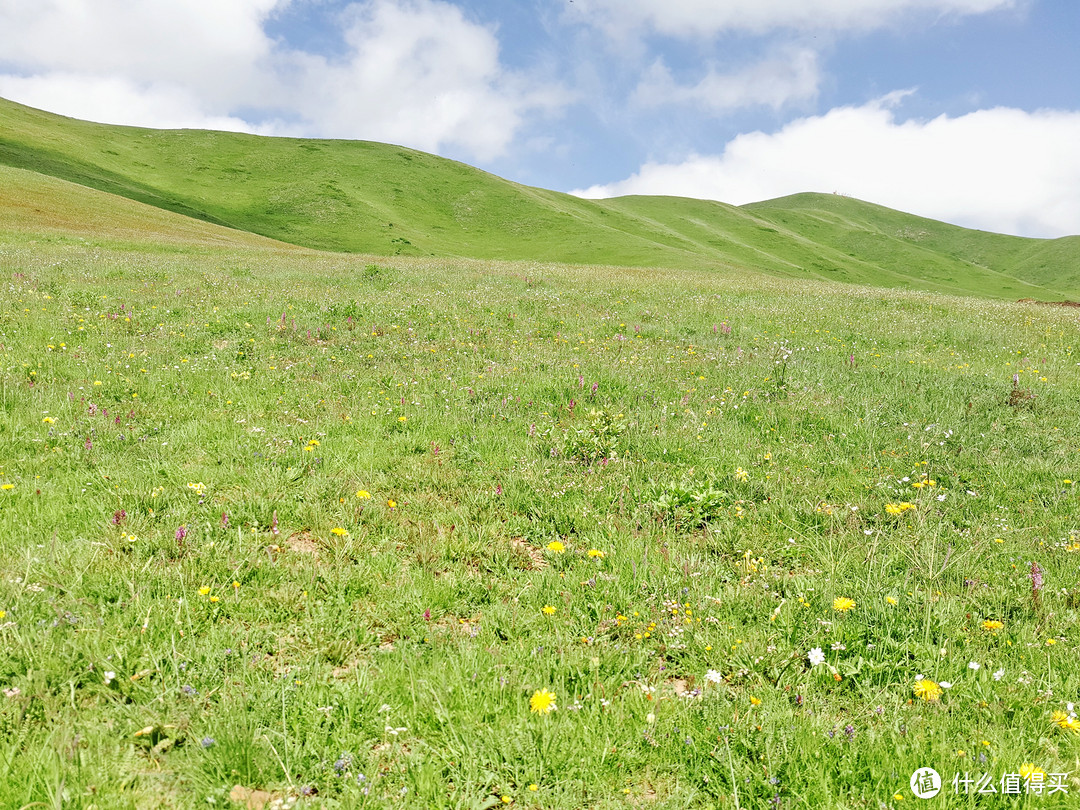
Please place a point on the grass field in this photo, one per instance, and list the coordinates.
(352, 532)
(380, 199)
(695, 527)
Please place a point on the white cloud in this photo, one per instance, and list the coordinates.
(1002, 169)
(414, 72)
(417, 72)
(112, 100)
(709, 17)
(775, 82)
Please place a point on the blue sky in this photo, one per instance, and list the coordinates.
(961, 110)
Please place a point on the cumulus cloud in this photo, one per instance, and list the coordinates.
(418, 73)
(709, 17)
(773, 82)
(1002, 169)
(111, 100)
(414, 72)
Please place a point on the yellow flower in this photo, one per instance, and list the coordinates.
(898, 797)
(556, 547)
(741, 474)
(843, 604)
(1065, 721)
(755, 701)
(534, 787)
(890, 600)
(215, 598)
(596, 553)
(363, 494)
(7, 486)
(1031, 771)
(542, 702)
(927, 689)
(548, 610)
(403, 418)
(391, 503)
(48, 420)
(992, 625)
(340, 532)
(203, 591)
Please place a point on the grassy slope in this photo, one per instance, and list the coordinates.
(366, 197)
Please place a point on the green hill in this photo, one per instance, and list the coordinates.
(357, 196)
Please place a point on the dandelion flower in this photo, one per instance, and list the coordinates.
(992, 625)
(548, 610)
(203, 591)
(1066, 721)
(7, 486)
(890, 600)
(340, 532)
(556, 547)
(363, 494)
(755, 701)
(1030, 771)
(596, 553)
(843, 604)
(927, 689)
(542, 702)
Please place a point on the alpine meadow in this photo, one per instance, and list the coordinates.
(341, 475)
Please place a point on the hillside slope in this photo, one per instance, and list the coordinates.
(359, 196)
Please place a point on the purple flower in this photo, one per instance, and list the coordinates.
(118, 517)
(181, 533)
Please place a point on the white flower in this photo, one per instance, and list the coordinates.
(109, 676)
(973, 665)
(999, 674)
(945, 684)
(816, 656)
(712, 676)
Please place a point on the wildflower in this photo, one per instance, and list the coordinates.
(7, 486)
(548, 610)
(1066, 721)
(542, 702)
(816, 656)
(534, 787)
(713, 676)
(204, 590)
(973, 665)
(199, 488)
(391, 503)
(48, 420)
(596, 554)
(206, 742)
(992, 625)
(108, 676)
(556, 547)
(1031, 772)
(340, 532)
(181, 533)
(890, 600)
(755, 701)
(363, 494)
(999, 674)
(741, 474)
(927, 689)
(843, 604)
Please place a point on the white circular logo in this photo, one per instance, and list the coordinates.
(925, 783)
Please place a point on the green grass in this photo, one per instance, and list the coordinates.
(189, 421)
(355, 196)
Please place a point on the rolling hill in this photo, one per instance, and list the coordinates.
(358, 196)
